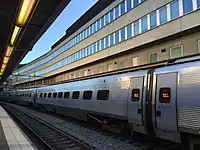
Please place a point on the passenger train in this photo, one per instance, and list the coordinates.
(163, 101)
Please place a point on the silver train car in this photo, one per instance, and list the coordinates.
(162, 101)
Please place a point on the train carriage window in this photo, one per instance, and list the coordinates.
(41, 94)
(75, 95)
(102, 94)
(60, 94)
(87, 95)
(45, 95)
(54, 95)
(165, 95)
(135, 94)
(30, 95)
(49, 95)
(66, 95)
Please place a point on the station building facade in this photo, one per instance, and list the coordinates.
(114, 35)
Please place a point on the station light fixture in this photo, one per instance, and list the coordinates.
(1, 73)
(15, 35)
(3, 66)
(9, 51)
(5, 60)
(25, 11)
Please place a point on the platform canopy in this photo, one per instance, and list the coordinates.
(22, 23)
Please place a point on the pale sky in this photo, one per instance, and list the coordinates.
(70, 14)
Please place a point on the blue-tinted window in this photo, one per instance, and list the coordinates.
(86, 33)
(102, 22)
(111, 15)
(129, 31)
(98, 45)
(90, 30)
(123, 34)
(90, 49)
(174, 9)
(117, 12)
(111, 39)
(107, 18)
(129, 5)
(94, 48)
(98, 24)
(163, 15)
(135, 3)
(122, 7)
(107, 42)
(198, 3)
(153, 20)
(144, 24)
(102, 44)
(136, 28)
(95, 27)
(78, 39)
(187, 6)
(85, 52)
(117, 37)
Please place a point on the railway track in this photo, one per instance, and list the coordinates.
(52, 137)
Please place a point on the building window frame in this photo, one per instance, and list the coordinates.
(170, 53)
(151, 54)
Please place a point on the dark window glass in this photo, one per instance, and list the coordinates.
(106, 18)
(102, 94)
(98, 45)
(135, 94)
(165, 95)
(129, 31)
(29, 95)
(135, 3)
(49, 95)
(198, 3)
(187, 6)
(117, 37)
(87, 95)
(117, 12)
(153, 20)
(136, 28)
(54, 95)
(111, 39)
(75, 95)
(107, 42)
(102, 44)
(66, 95)
(111, 15)
(144, 24)
(102, 22)
(129, 5)
(98, 24)
(60, 94)
(174, 9)
(163, 15)
(122, 7)
(41, 94)
(123, 34)
(45, 95)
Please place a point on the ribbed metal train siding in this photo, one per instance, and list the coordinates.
(189, 117)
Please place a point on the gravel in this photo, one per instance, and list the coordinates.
(93, 138)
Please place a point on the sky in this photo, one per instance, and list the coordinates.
(69, 15)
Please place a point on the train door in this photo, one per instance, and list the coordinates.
(135, 103)
(165, 105)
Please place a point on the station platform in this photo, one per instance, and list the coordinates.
(11, 136)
